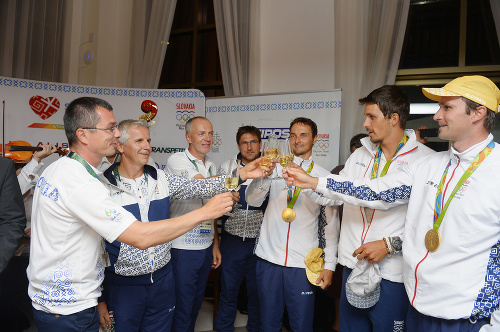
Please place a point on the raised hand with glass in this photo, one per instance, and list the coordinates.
(232, 177)
(265, 161)
(273, 151)
(286, 156)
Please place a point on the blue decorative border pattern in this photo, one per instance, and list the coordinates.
(366, 194)
(307, 105)
(489, 296)
(95, 90)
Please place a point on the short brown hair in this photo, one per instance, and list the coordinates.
(390, 99)
(489, 119)
(306, 121)
(248, 130)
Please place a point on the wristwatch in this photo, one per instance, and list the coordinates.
(397, 244)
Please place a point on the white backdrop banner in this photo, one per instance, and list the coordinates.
(272, 114)
(34, 112)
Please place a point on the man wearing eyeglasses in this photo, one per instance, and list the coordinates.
(239, 233)
(73, 211)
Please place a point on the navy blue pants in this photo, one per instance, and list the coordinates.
(389, 314)
(145, 308)
(238, 261)
(279, 286)
(191, 270)
(417, 322)
(83, 321)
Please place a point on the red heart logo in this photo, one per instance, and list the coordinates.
(44, 107)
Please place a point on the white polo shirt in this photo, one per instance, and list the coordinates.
(187, 165)
(72, 210)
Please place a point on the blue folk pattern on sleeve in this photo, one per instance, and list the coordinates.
(367, 194)
(183, 188)
(489, 296)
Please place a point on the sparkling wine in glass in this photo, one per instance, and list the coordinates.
(286, 156)
(232, 177)
(273, 151)
(265, 160)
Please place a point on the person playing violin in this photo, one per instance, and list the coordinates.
(27, 176)
(27, 173)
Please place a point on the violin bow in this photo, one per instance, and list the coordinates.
(3, 129)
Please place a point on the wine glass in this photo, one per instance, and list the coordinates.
(286, 156)
(273, 151)
(232, 177)
(265, 160)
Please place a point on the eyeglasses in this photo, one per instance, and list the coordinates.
(245, 143)
(111, 130)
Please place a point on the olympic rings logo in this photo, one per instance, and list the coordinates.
(217, 140)
(184, 116)
(322, 145)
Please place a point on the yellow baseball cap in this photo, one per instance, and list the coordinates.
(476, 88)
(314, 265)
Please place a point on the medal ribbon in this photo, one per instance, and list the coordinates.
(196, 166)
(438, 211)
(290, 200)
(378, 154)
(75, 156)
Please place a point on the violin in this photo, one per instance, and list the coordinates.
(151, 109)
(22, 151)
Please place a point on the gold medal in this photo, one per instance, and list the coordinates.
(432, 240)
(288, 215)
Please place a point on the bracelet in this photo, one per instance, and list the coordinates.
(389, 242)
(387, 246)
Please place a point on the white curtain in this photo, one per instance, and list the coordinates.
(233, 20)
(495, 10)
(31, 39)
(368, 36)
(151, 24)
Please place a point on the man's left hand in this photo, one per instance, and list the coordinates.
(47, 151)
(326, 276)
(104, 318)
(217, 257)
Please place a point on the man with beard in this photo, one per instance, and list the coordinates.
(364, 232)
(452, 227)
(293, 226)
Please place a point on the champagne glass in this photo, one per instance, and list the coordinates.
(265, 160)
(286, 156)
(232, 177)
(273, 151)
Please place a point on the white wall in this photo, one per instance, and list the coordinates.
(296, 46)
(103, 27)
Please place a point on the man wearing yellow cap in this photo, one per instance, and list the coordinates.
(451, 246)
